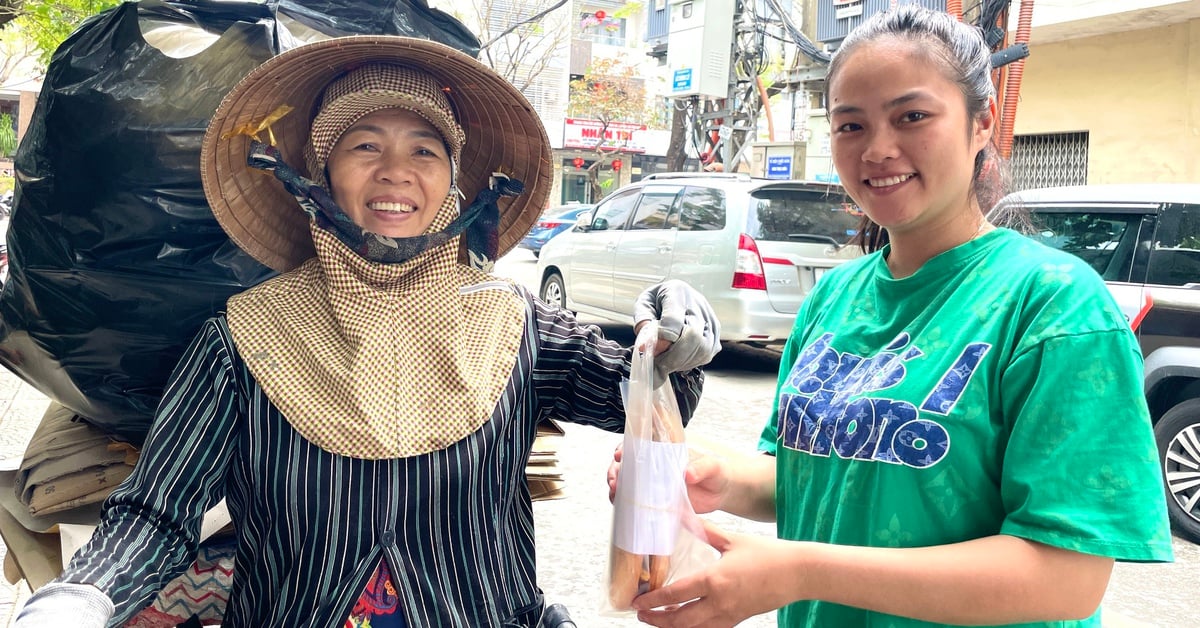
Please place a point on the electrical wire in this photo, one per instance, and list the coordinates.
(803, 43)
(989, 13)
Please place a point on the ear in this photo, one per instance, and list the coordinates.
(984, 126)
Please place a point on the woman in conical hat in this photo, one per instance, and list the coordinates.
(368, 413)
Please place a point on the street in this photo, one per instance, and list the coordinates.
(573, 533)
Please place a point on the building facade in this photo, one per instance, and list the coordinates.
(1110, 94)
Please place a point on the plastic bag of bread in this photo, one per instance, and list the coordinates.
(656, 535)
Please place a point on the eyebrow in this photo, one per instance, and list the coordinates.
(916, 94)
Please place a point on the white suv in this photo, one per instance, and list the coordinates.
(753, 247)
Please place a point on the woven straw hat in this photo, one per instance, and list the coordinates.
(503, 134)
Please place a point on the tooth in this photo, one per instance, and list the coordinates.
(391, 207)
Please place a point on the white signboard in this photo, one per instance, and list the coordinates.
(847, 8)
(622, 136)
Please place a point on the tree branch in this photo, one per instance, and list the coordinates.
(523, 22)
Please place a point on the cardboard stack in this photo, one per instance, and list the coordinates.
(50, 504)
(545, 480)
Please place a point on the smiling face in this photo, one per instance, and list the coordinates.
(901, 138)
(390, 173)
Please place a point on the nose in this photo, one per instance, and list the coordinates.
(881, 145)
(393, 167)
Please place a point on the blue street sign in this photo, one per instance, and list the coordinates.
(779, 167)
(827, 177)
(682, 80)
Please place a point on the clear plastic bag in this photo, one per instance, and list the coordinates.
(656, 535)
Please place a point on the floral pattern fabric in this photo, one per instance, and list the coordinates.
(378, 606)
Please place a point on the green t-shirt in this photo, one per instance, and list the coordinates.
(996, 390)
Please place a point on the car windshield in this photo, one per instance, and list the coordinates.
(795, 215)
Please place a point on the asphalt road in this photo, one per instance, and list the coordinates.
(573, 533)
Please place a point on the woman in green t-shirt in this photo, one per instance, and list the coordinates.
(959, 434)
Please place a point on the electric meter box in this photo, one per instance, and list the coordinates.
(699, 46)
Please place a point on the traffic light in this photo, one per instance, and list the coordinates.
(578, 162)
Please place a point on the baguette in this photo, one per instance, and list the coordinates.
(631, 575)
(626, 578)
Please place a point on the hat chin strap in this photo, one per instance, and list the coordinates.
(481, 220)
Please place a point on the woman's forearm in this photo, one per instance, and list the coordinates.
(993, 580)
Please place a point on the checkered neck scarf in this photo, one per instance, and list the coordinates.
(317, 339)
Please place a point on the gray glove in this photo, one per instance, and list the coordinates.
(66, 604)
(685, 319)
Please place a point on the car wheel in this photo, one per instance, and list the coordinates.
(1178, 437)
(553, 291)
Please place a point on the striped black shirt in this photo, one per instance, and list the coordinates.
(455, 525)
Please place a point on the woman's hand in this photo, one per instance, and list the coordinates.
(686, 324)
(613, 470)
(660, 346)
(706, 478)
(754, 575)
(66, 604)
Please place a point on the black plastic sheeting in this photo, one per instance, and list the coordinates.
(115, 257)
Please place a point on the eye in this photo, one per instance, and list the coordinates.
(428, 151)
(914, 116)
(364, 146)
(848, 127)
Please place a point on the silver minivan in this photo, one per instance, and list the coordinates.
(753, 247)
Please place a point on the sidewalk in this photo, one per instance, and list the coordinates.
(21, 409)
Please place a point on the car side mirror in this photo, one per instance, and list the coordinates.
(583, 222)
(600, 224)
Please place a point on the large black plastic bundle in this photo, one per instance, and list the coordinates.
(115, 257)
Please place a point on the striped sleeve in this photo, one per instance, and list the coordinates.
(578, 372)
(149, 532)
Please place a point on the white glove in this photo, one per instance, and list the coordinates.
(685, 319)
(66, 604)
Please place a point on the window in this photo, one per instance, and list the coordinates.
(1048, 160)
(612, 214)
(1175, 257)
(607, 30)
(701, 209)
(654, 207)
(1105, 241)
(792, 215)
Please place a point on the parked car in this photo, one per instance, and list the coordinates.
(753, 247)
(1144, 240)
(553, 222)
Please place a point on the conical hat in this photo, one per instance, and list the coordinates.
(503, 134)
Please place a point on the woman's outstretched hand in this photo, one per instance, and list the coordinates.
(706, 479)
(754, 575)
(688, 330)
